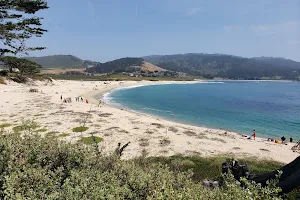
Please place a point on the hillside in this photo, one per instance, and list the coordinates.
(59, 61)
(146, 66)
(227, 66)
(278, 61)
(124, 65)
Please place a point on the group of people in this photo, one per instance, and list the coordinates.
(283, 139)
(79, 99)
(250, 137)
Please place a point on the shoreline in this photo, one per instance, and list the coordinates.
(123, 108)
(104, 93)
(156, 135)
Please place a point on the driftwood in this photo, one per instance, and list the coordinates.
(119, 150)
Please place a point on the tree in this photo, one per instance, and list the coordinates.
(25, 67)
(16, 25)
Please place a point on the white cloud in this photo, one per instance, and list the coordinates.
(192, 11)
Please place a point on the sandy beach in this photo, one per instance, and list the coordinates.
(157, 136)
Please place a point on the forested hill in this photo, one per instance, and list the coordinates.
(227, 66)
(124, 65)
(278, 61)
(59, 61)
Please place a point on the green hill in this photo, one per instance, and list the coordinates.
(118, 66)
(228, 66)
(59, 61)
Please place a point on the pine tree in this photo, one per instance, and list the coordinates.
(17, 24)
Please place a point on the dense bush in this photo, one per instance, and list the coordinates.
(3, 73)
(2, 81)
(35, 167)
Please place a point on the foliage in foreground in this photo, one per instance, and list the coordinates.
(211, 167)
(33, 167)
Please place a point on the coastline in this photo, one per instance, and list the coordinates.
(159, 137)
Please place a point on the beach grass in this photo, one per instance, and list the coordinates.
(164, 142)
(37, 115)
(51, 134)
(41, 130)
(90, 140)
(64, 135)
(80, 129)
(158, 125)
(190, 133)
(5, 125)
(27, 125)
(173, 129)
(2, 81)
(210, 167)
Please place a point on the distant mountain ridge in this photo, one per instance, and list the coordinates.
(278, 61)
(59, 61)
(228, 66)
(198, 64)
(129, 64)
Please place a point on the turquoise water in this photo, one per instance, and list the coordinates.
(271, 108)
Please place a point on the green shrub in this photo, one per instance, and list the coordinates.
(41, 130)
(64, 135)
(90, 140)
(27, 126)
(5, 125)
(3, 73)
(80, 129)
(2, 81)
(34, 167)
(37, 115)
(210, 167)
(51, 134)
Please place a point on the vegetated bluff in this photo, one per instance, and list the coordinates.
(60, 61)
(129, 64)
(228, 66)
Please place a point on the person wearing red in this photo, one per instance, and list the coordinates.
(254, 134)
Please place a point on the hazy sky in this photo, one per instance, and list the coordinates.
(103, 30)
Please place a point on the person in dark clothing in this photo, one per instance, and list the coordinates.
(283, 139)
(61, 97)
(291, 140)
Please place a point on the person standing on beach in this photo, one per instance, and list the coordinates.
(282, 140)
(61, 97)
(254, 134)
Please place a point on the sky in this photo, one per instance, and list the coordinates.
(103, 30)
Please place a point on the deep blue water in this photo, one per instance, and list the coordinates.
(271, 108)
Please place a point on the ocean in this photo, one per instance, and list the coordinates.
(271, 108)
